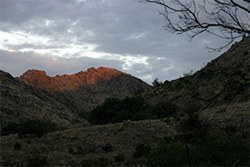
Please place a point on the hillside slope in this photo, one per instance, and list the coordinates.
(20, 102)
(224, 80)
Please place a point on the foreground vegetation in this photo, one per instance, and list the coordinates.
(131, 108)
(187, 141)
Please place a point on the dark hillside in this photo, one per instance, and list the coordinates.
(224, 80)
(20, 102)
(87, 97)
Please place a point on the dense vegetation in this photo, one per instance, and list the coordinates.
(212, 150)
(131, 108)
(34, 127)
(201, 146)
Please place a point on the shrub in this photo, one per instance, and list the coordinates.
(17, 146)
(71, 150)
(157, 83)
(222, 150)
(165, 109)
(107, 148)
(115, 110)
(142, 150)
(35, 127)
(11, 128)
(168, 154)
(211, 150)
(38, 161)
(102, 162)
(120, 157)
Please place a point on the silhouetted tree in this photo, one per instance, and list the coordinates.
(194, 17)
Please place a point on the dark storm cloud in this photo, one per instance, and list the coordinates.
(123, 27)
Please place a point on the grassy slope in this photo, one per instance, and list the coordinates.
(87, 145)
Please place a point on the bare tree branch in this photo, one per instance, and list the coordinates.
(230, 17)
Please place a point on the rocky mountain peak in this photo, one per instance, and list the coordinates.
(59, 83)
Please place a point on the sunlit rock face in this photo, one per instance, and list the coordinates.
(59, 83)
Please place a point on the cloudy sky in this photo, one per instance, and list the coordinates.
(68, 36)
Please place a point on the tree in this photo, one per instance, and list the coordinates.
(156, 82)
(226, 19)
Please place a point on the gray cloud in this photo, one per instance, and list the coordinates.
(19, 62)
(123, 27)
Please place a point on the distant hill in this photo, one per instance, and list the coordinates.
(86, 89)
(20, 102)
(60, 83)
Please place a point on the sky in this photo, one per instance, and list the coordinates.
(68, 36)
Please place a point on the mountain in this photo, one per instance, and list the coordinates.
(20, 102)
(86, 89)
(222, 81)
(39, 79)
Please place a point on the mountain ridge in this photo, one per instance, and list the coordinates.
(60, 83)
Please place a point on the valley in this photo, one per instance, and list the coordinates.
(104, 117)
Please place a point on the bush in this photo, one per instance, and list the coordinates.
(115, 110)
(11, 128)
(38, 161)
(107, 148)
(17, 146)
(120, 157)
(132, 108)
(142, 150)
(157, 83)
(35, 127)
(211, 150)
(222, 150)
(165, 109)
(168, 154)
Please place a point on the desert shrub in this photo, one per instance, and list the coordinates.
(168, 154)
(165, 109)
(36, 127)
(115, 110)
(102, 162)
(222, 150)
(191, 123)
(107, 148)
(211, 150)
(71, 150)
(142, 150)
(17, 146)
(38, 161)
(245, 53)
(157, 83)
(120, 157)
(104, 113)
(11, 128)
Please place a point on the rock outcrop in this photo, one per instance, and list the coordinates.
(59, 83)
